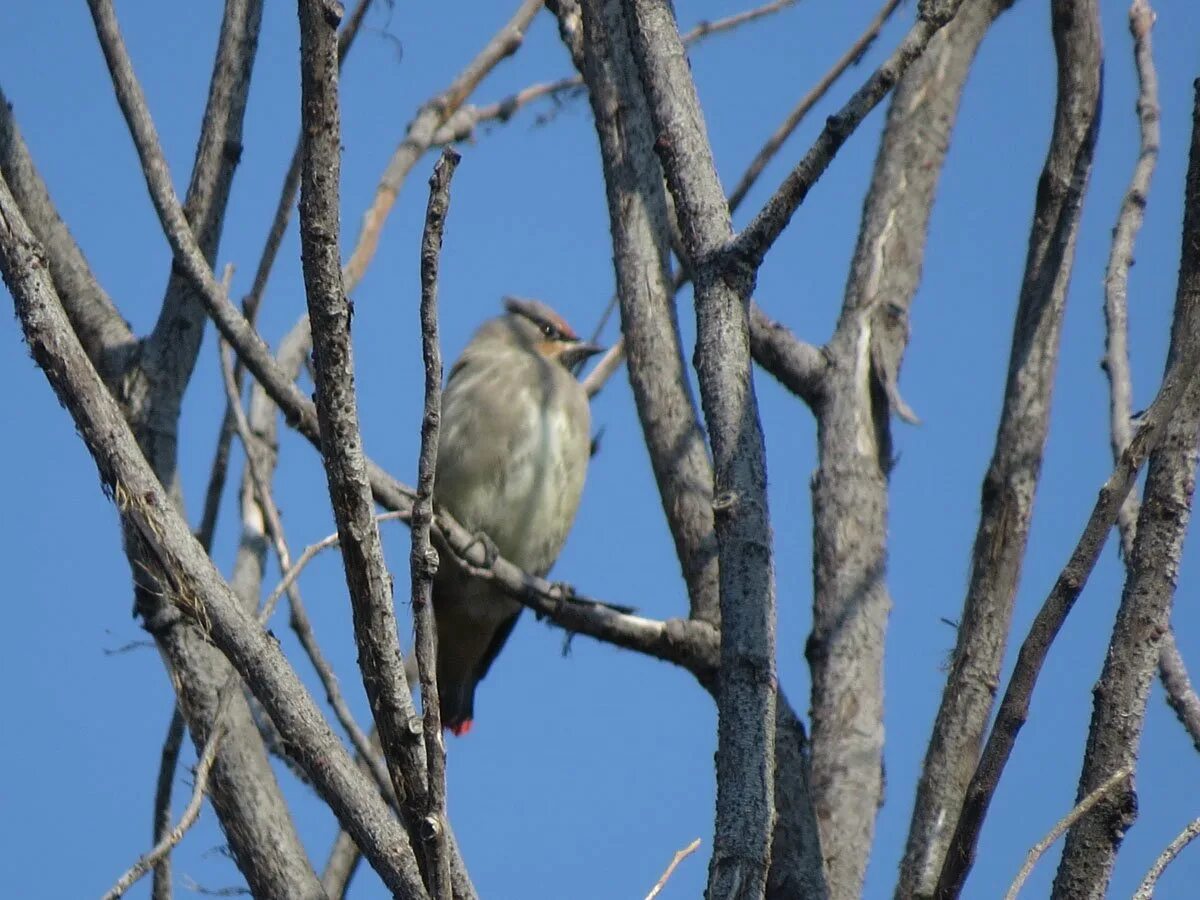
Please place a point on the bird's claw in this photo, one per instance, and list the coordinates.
(490, 552)
(564, 592)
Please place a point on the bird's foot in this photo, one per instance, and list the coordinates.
(563, 594)
(490, 552)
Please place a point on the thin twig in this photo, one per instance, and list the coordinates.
(192, 811)
(1060, 827)
(679, 857)
(758, 237)
(1145, 890)
(300, 622)
(1014, 709)
(423, 560)
(1120, 258)
(327, 542)
(463, 124)
(422, 132)
(172, 744)
(851, 57)
(252, 301)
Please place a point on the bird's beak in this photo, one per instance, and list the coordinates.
(577, 353)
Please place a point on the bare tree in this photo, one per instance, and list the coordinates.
(795, 814)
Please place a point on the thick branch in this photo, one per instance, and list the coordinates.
(329, 314)
(746, 693)
(1119, 704)
(851, 602)
(104, 334)
(185, 572)
(637, 208)
(1015, 706)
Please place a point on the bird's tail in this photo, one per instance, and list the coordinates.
(457, 701)
(456, 696)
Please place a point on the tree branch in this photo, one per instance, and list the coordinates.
(252, 301)
(161, 888)
(423, 560)
(422, 134)
(746, 692)
(184, 571)
(1014, 708)
(754, 242)
(329, 314)
(637, 208)
(104, 334)
(1120, 696)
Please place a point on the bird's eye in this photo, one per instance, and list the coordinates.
(549, 330)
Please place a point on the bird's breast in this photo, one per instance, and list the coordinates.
(512, 460)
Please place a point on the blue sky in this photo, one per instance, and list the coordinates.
(621, 774)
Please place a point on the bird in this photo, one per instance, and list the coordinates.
(512, 457)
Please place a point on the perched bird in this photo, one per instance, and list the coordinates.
(513, 453)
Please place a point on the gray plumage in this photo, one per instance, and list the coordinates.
(511, 462)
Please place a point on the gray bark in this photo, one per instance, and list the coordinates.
(747, 681)
(1143, 618)
(1012, 476)
(104, 334)
(154, 389)
(641, 231)
(182, 571)
(367, 577)
(244, 792)
(860, 393)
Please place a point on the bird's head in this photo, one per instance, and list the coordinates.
(543, 331)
